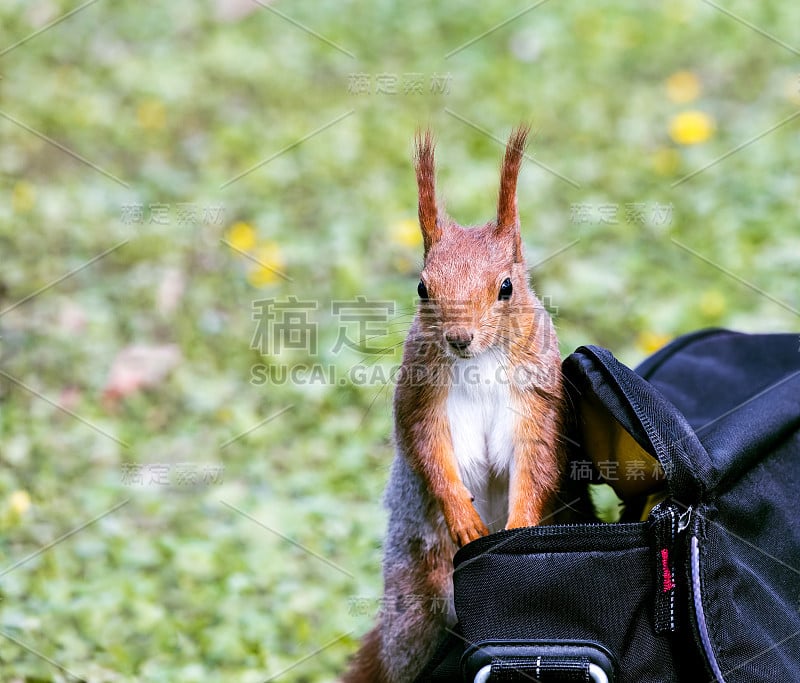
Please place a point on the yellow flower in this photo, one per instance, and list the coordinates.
(242, 236)
(270, 265)
(665, 160)
(679, 12)
(23, 197)
(691, 127)
(19, 502)
(650, 342)
(406, 233)
(712, 304)
(151, 114)
(792, 89)
(683, 86)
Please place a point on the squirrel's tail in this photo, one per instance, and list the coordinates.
(367, 665)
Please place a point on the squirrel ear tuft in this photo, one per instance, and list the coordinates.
(507, 213)
(426, 182)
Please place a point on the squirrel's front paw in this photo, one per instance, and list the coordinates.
(523, 518)
(464, 523)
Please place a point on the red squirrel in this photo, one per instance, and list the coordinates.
(478, 409)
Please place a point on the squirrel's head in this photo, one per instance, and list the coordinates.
(473, 289)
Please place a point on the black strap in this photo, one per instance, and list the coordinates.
(541, 669)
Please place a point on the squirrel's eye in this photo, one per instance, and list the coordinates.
(505, 290)
(422, 290)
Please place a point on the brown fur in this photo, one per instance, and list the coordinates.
(426, 184)
(431, 511)
(367, 666)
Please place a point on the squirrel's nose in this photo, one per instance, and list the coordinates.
(459, 338)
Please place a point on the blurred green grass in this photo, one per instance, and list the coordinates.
(247, 578)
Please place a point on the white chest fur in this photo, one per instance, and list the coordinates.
(482, 429)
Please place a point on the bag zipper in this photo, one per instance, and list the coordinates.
(667, 525)
(699, 612)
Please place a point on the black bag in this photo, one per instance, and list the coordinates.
(707, 586)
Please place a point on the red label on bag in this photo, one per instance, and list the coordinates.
(668, 583)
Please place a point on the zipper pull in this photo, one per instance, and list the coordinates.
(684, 520)
(666, 524)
